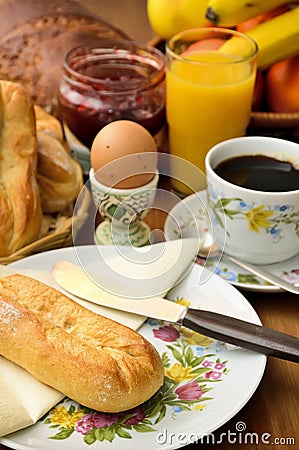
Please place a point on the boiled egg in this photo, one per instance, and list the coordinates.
(124, 155)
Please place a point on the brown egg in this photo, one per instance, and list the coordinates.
(124, 155)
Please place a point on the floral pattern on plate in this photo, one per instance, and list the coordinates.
(192, 364)
(231, 273)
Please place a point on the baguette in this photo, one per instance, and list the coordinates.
(93, 360)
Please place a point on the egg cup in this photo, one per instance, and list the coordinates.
(123, 211)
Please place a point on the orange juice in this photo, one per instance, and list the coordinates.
(208, 100)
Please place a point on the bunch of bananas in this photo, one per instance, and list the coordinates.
(277, 38)
(273, 24)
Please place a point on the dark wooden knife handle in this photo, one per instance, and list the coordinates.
(243, 334)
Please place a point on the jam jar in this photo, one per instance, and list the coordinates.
(115, 80)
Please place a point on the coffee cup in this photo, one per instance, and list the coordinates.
(253, 197)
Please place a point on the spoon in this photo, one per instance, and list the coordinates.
(213, 251)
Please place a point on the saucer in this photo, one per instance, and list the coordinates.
(190, 218)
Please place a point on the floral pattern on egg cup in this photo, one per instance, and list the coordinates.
(123, 211)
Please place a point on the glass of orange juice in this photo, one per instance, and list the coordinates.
(210, 76)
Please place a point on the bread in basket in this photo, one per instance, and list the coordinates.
(39, 179)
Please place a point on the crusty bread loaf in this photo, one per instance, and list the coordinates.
(34, 37)
(20, 209)
(59, 176)
(93, 360)
(37, 171)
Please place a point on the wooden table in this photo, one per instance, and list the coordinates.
(273, 411)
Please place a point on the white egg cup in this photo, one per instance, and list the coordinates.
(123, 211)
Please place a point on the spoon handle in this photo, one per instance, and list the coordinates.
(265, 275)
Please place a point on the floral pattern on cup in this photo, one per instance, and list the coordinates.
(192, 364)
(259, 217)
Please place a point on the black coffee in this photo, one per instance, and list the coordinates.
(259, 172)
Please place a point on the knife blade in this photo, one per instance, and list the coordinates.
(258, 338)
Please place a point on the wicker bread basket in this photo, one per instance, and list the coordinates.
(34, 37)
(56, 230)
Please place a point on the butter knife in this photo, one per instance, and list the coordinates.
(258, 338)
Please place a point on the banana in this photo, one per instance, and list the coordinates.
(229, 13)
(278, 38)
(169, 17)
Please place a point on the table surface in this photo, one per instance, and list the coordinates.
(273, 409)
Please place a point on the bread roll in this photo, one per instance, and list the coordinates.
(34, 37)
(91, 359)
(20, 209)
(59, 176)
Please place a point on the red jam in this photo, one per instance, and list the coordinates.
(121, 80)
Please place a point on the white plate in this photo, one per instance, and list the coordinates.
(166, 422)
(190, 218)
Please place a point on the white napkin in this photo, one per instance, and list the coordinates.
(23, 399)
